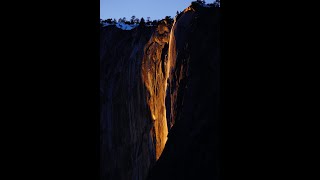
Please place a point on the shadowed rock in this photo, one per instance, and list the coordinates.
(159, 89)
(127, 150)
(192, 148)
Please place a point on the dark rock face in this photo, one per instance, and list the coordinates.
(160, 99)
(191, 151)
(127, 149)
(133, 115)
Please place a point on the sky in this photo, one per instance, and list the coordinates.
(155, 9)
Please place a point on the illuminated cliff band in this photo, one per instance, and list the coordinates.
(155, 75)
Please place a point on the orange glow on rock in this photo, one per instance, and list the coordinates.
(155, 75)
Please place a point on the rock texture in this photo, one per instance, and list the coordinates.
(127, 149)
(132, 90)
(192, 149)
(154, 75)
(159, 89)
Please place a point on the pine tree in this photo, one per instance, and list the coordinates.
(142, 22)
(109, 21)
(137, 21)
(148, 21)
(154, 22)
(169, 19)
(132, 19)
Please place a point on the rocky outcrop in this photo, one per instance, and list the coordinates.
(132, 90)
(159, 89)
(192, 149)
(126, 144)
(154, 76)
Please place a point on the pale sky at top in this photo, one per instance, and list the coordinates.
(155, 9)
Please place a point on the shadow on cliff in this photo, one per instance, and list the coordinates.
(192, 150)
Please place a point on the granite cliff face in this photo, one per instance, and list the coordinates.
(159, 89)
(126, 149)
(132, 90)
(192, 149)
(155, 76)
